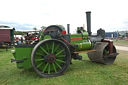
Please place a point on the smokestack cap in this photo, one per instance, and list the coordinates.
(88, 11)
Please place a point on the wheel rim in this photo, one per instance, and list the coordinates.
(50, 58)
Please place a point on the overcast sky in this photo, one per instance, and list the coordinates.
(111, 15)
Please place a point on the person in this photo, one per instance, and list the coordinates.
(21, 40)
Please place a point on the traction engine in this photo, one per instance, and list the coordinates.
(55, 49)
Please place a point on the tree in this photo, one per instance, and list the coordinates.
(43, 27)
(35, 29)
(19, 33)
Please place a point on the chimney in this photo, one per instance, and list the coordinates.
(88, 17)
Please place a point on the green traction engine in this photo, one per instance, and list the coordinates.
(52, 54)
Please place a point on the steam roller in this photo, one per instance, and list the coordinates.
(52, 53)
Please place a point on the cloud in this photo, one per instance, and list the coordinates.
(18, 26)
(26, 14)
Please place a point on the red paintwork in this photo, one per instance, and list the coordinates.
(54, 58)
(66, 41)
(5, 35)
(63, 32)
(35, 38)
(17, 39)
(75, 39)
(50, 30)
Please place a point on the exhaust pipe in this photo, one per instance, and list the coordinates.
(68, 28)
(88, 17)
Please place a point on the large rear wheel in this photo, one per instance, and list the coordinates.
(50, 58)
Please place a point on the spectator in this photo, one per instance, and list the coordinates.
(21, 40)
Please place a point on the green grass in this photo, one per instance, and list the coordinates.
(121, 42)
(81, 72)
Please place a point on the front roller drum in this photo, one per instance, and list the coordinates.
(101, 55)
(50, 58)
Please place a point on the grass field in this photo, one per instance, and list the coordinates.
(121, 43)
(81, 72)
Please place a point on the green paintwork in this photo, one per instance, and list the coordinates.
(47, 37)
(42, 37)
(75, 36)
(50, 47)
(12, 35)
(85, 45)
(84, 32)
(23, 53)
(83, 42)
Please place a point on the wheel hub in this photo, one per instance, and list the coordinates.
(51, 58)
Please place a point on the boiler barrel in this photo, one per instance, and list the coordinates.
(84, 46)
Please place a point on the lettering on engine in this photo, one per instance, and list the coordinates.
(75, 39)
